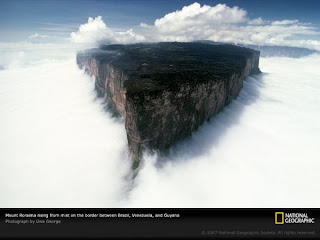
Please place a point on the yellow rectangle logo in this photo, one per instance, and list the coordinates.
(279, 218)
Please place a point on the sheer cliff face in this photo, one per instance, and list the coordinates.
(108, 82)
(162, 105)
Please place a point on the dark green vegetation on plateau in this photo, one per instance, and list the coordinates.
(158, 66)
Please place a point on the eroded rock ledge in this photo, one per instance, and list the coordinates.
(165, 91)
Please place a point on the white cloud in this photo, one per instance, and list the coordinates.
(196, 16)
(71, 153)
(196, 22)
(285, 22)
(256, 21)
(43, 38)
(225, 24)
(95, 32)
(37, 35)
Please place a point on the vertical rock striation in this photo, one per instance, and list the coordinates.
(165, 91)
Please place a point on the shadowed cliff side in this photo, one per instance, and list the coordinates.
(165, 91)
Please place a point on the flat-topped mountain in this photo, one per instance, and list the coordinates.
(165, 91)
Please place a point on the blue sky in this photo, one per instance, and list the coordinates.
(22, 18)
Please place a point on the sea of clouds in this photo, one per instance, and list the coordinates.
(60, 148)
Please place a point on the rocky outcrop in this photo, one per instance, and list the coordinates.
(165, 91)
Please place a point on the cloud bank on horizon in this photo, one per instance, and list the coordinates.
(219, 23)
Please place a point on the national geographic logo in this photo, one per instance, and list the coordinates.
(292, 218)
(279, 218)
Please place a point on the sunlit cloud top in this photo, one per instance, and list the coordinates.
(219, 23)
